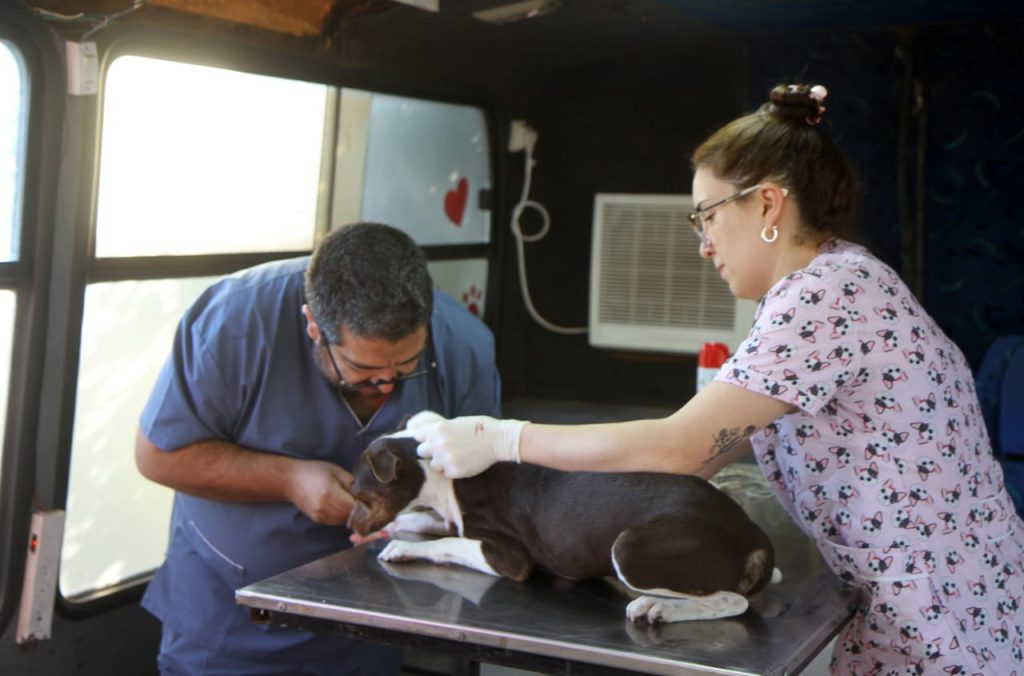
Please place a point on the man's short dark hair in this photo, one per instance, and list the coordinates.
(370, 278)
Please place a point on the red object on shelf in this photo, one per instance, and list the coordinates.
(709, 360)
(712, 355)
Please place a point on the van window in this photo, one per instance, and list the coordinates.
(13, 102)
(199, 160)
(423, 166)
(116, 522)
(12, 142)
(7, 302)
(194, 161)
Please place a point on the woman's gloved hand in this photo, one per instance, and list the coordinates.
(464, 447)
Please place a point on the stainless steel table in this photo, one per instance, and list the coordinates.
(555, 626)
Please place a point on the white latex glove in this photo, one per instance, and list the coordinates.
(464, 447)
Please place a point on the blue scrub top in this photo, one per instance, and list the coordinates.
(242, 370)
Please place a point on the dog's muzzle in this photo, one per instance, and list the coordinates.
(359, 518)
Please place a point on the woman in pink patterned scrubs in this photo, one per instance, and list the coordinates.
(862, 414)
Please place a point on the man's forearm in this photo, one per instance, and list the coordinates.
(218, 470)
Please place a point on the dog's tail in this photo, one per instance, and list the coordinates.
(756, 571)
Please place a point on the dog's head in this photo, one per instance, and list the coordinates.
(385, 479)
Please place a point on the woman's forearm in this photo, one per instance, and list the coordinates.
(712, 430)
(640, 445)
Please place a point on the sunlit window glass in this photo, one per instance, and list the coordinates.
(117, 520)
(12, 142)
(423, 166)
(199, 160)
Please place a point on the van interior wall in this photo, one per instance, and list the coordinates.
(974, 217)
(630, 127)
(625, 125)
(968, 157)
(124, 640)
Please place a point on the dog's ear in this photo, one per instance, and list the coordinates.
(384, 464)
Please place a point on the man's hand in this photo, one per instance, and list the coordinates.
(357, 539)
(466, 446)
(320, 490)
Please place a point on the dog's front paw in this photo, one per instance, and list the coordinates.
(428, 523)
(398, 550)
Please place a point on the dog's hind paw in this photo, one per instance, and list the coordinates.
(644, 608)
(684, 608)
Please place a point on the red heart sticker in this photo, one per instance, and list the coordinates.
(455, 202)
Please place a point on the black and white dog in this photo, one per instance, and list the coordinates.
(688, 550)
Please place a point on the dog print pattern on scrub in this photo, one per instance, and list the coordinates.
(886, 464)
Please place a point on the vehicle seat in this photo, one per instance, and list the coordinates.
(1000, 384)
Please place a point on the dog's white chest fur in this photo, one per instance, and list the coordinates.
(438, 493)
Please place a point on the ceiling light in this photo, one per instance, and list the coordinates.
(429, 5)
(517, 11)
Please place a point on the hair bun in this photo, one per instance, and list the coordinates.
(798, 103)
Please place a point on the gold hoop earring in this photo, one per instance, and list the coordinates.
(774, 236)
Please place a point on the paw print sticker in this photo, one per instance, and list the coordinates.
(472, 299)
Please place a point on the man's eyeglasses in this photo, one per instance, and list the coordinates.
(365, 385)
(698, 217)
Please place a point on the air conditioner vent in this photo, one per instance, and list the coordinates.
(649, 287)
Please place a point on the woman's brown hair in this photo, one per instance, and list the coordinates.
(783, 142)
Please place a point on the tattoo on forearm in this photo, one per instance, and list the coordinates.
(728, 439)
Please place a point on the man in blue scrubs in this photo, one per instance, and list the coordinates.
(278, 378)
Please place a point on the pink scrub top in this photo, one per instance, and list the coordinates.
(886, 463)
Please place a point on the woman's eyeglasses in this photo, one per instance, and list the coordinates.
(698, 219)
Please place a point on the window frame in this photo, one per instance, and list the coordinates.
(28, 277)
